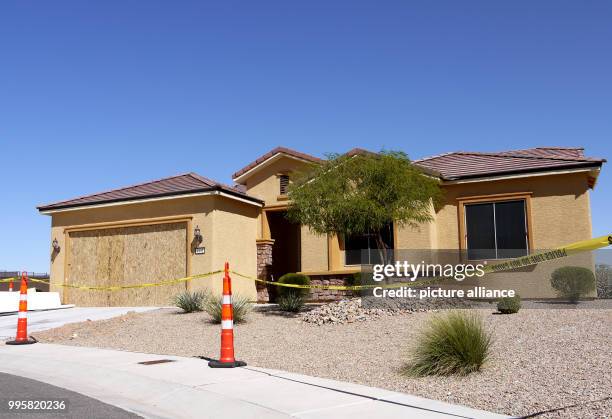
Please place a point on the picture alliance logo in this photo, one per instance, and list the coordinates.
(411, 271)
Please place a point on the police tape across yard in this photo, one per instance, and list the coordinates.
(557, 253)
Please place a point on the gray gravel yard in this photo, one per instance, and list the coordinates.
(542, 359)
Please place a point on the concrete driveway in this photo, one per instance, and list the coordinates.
(43, 320)
(188, 388)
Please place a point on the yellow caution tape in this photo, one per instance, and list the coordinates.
(18, 278)
(42, 281)
(556, 253)
(326, 287)
(123, 287)
(341, 287)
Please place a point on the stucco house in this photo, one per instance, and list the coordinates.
(502, 202)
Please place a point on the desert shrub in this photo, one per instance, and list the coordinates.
(509, 305)
(297, 279)
(242, 307)
(190, 301)
(292, 302)
(573, 282)
(456, 343)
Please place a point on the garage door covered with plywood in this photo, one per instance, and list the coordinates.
(121, 256)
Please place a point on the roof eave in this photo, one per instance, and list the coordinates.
(52, 208)
(585, 165)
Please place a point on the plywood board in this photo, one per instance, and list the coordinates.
(124, 256)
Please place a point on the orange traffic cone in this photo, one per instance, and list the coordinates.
(22, 316)
(11, 285)
(227, 359)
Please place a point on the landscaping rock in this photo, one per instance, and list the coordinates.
(340, 312)
(370, 308)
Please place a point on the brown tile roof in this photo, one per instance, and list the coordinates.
(463, 164)
(271, 153)
(175, 185)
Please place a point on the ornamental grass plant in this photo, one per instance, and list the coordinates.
(455, 343)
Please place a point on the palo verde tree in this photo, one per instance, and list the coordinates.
(362, 193)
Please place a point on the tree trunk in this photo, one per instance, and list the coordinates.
(382, 248)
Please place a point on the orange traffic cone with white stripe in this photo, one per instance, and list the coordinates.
(227, 359)
(22, 316)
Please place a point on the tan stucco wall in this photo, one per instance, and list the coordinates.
(265, 184)
(423, 236)
(560, 209)
(234, 232)
(314, 251)
(207, 212)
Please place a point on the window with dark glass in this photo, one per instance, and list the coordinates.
(363, 249)
(496, 230)
(284, 183)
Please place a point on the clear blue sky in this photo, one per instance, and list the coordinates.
(100, 94)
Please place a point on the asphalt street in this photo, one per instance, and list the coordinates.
(77, 407)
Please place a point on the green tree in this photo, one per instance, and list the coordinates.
(361, 194)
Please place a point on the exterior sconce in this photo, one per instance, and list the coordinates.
(197, 235)
(55, 245)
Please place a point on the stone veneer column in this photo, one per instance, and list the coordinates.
(264, 261)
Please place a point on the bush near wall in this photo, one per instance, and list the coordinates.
(295, 279)
(291, 302)
(573, 282)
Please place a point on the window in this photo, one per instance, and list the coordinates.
(360, 250)
(496, 230)
(284, 183)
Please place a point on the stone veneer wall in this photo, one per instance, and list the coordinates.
(264, 261)
(321, 295)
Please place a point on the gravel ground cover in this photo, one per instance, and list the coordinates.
(542, 359)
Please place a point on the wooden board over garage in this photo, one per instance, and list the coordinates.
(126, 256)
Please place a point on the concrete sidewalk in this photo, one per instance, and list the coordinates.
(188, 388)
(49, 319)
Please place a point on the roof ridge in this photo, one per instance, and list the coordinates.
(122, 188)
(555, 148)
(214, 182)
(201, 178)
